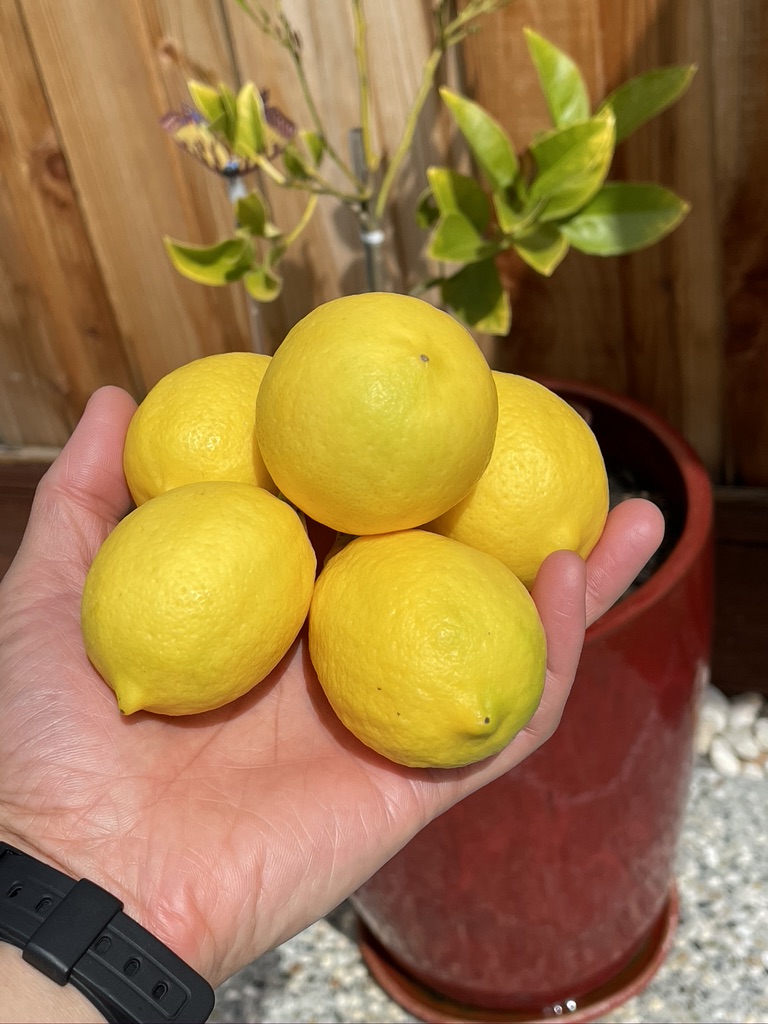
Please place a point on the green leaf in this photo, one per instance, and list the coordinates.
(645, 96)
(457, 193)
(251, 213)
(561, 81)
(314, 144)
(543, 249)
(456, 240)
(263, 284)
(227, 123)
(478, 297)
(490, 145)
(215, 264)
(573, 163)
(206, 100)
(295, 164)
(624, 217)
(250, 133)
(427, 213)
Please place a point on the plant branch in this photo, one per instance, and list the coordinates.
(409, 130)
(287, 37)
(361, 55)
(309, 209)
(447, 35)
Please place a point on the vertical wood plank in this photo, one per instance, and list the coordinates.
(58, 336)
(740, 40)
(98, 67)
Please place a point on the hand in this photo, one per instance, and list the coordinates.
(225, 833)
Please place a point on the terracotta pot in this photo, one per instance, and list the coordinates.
(551, 892)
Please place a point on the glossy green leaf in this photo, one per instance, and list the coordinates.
(573, 163)
(314, 144)
(624, 217)
(427, 213)
(475, 293)
(263, 284)
(561, 81)
(645, 96)
(213, 264)
(207, 101)
(490, 145)
(543, 249)
(250, 134)
(456, 240)
(457, 193)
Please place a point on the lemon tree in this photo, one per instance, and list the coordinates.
(197, 423)
(545, 488)
(430, 652)
(195, 597)
(377, 413)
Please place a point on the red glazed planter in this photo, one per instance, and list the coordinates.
(550, 893)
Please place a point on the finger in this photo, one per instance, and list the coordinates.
(633, 531)
(559, 594)
(85, 486)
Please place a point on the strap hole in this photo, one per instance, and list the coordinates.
(160, 990)
(43, 904)
(131, 966)
(14, 891)
(103, 944)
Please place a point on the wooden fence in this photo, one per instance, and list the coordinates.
(89, 184)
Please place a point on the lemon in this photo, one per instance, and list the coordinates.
(195, 596)
(197, 423)
(377, 413)
(545, 487)
(430, 652)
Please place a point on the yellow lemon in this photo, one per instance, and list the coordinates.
(430, 652)
(195, 596)
(545, 488)
(377, 413)
(197, 423)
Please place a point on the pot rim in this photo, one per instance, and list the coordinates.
(698, 490)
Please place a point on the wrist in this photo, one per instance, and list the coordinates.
(74, 932)
(29, 996)
(169, 926)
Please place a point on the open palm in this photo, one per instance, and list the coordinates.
(224, 833)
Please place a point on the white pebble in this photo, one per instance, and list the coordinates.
(761, 733)
(715, 708)
(723, 758)
(745, 707)
(705, 733)
(744, 743)
(752, 770)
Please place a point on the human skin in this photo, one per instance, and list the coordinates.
(227, 833)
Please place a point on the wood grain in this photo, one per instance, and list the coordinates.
(58, 336)
(89, 184)
(740, 39)
(100, 74)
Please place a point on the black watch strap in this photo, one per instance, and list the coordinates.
(77, 932)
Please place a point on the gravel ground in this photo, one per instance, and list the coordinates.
(716, 971)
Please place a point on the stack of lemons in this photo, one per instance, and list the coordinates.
(447, 484)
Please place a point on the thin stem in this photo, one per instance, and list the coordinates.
(289, 40)
(409, 130)
(363, 81)
(306, 216)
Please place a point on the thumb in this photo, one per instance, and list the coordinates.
(84, 494)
